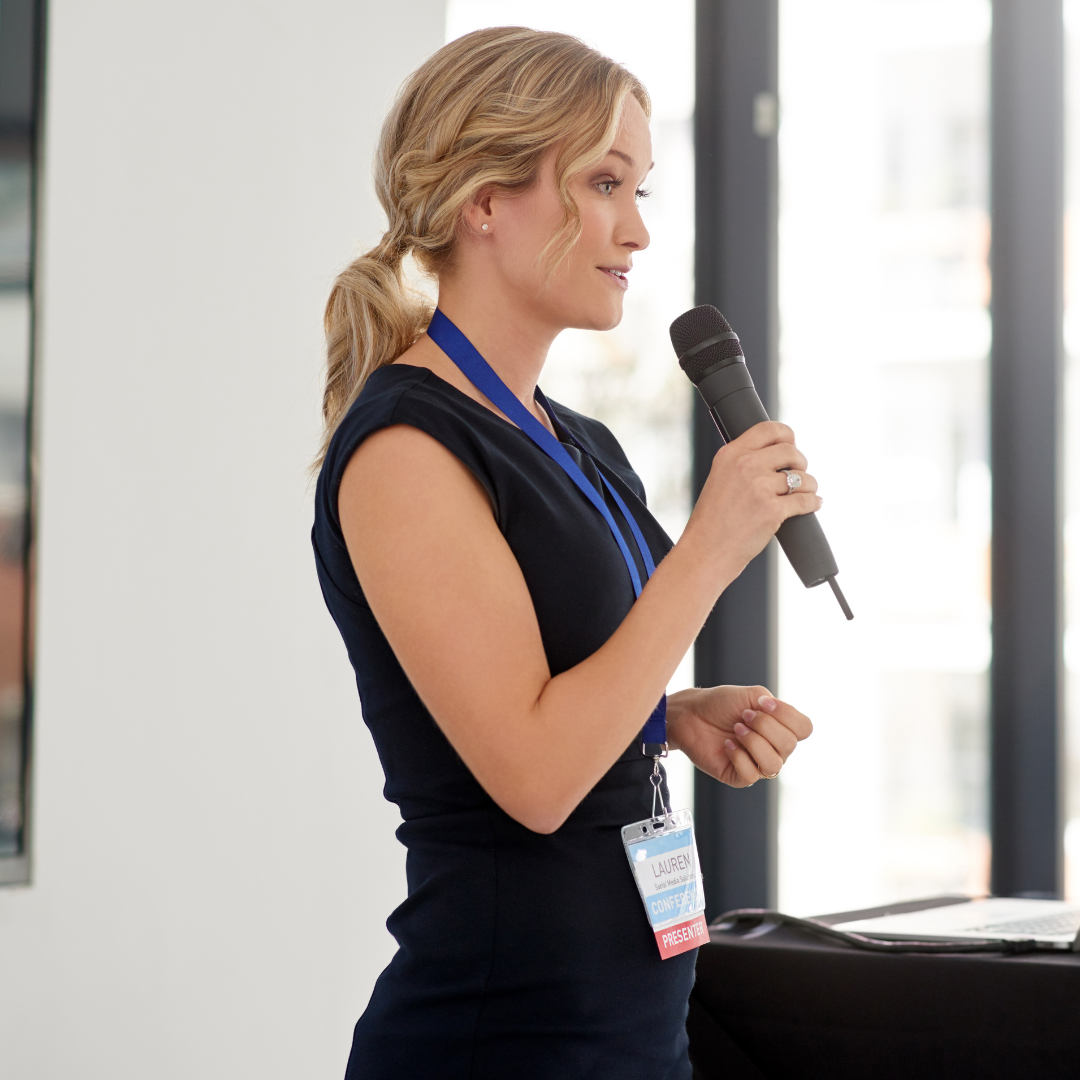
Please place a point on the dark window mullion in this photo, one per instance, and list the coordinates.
(735, 269)
(1027, 214)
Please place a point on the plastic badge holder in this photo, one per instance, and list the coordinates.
(664, 860)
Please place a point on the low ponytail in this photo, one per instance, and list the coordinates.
(371, 318)
(477, 116)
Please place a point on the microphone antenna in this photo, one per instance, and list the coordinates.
(840, 598)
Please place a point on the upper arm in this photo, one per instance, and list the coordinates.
(447, 592)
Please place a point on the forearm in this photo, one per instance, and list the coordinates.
(583, 718)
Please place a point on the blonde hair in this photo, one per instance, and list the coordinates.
(476, 117)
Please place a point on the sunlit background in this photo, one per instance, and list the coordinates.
(885, 331)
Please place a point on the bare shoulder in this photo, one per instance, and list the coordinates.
(403, 487)
(396, 452)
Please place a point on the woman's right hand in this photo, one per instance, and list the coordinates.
(746, 497)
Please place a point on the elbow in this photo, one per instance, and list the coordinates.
(544, 824)
(543, 816)
(538, 799)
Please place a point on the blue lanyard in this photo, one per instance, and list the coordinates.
(480, 373)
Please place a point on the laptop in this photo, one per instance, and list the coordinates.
(1054, 923)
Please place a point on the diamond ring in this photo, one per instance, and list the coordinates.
(794, 480)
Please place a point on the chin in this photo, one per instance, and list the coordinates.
(599, 317)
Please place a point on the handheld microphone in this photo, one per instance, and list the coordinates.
(710, 354)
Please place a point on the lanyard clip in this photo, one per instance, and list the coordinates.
(656, 779)
(654, 750)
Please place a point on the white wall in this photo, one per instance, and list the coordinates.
(206, 798)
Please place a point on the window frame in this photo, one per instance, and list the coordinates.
(737, 211)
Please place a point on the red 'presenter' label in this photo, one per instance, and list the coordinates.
(682, 937)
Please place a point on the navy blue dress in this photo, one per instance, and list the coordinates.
(521, 956)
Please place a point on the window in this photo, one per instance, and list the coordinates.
(18, 139)
(884, 339)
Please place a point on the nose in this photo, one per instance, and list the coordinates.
(632, 232)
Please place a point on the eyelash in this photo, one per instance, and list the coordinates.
(641, 193)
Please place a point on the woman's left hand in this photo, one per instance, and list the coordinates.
(739, 734)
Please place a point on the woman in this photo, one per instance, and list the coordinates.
(482, 572)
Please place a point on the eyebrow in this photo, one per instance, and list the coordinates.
(627, 158)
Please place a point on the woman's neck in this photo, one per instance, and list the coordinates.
(507, 335)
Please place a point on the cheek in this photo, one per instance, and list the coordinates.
(595, 249)
(595, 242)
(521, 260)
(578, 292)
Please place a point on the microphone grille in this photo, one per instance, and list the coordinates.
(694, 326)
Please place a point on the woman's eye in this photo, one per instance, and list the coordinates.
(642, 193)
(607, 187)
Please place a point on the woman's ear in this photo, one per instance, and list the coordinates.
(478, 217)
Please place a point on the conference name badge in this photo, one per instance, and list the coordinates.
(664, 860)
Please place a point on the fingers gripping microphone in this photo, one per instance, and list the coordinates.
(710, 354)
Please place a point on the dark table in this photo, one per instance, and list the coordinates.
(784, 1005)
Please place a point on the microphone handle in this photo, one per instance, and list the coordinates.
(735, 406)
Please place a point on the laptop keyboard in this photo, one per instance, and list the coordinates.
(1067, 922)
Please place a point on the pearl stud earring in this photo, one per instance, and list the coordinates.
(484, 227)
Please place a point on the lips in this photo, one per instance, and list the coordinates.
(617, 274)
